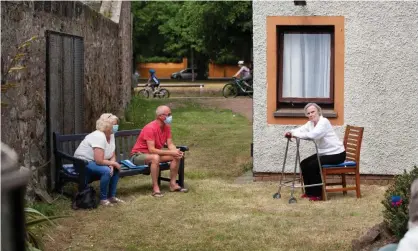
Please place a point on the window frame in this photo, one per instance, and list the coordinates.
(281, 30)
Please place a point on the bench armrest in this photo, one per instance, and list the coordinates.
(183, 148)
(79, 164)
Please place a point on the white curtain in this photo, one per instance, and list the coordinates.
(306, 65)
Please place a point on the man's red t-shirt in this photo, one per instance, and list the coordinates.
(151, 132)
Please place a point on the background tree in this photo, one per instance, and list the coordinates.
(148, 42)
(218, 31)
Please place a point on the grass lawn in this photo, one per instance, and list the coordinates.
(217, 213)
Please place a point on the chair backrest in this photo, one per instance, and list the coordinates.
(124, 141)
(352, 143)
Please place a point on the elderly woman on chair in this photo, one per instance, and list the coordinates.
(330, 149)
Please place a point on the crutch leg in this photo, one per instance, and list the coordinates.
(292, 198)
(277, 195)
(302, 185)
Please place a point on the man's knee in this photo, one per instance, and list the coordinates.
(175, 162)
(155, 159)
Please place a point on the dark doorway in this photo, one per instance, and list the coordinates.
(64, 88)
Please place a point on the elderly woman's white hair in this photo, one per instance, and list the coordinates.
(103, 125)
(109, 117)
(318, 108)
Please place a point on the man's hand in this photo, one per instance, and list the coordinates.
(176, 153)
(111, 171)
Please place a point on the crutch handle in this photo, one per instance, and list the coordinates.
(288, 136)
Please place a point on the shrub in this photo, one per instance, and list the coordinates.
(227, 60)
(396, 216)
(158, 59)
(34, 219)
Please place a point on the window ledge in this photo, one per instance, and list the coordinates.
(299, 112)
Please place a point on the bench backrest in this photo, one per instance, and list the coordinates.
(124, 140)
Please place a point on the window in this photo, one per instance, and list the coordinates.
(293, 81)
(305, 65)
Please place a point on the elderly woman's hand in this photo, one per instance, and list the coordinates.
(288, 135)
(116, 165)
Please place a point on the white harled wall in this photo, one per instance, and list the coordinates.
(380, 82)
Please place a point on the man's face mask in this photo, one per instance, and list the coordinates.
(168, 119)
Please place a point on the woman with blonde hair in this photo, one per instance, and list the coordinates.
(98, 148)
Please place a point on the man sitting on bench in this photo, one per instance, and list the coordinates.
(148, 150)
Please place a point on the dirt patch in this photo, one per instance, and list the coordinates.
(377, 237)
(243, 106)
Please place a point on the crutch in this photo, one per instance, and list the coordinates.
(297, 161)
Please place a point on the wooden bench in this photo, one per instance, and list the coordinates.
(71, 169)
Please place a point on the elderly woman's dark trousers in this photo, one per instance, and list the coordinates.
(311, 173)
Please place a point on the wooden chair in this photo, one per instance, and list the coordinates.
(352, 143)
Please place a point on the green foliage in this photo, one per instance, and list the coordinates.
(220, 30)
(148, 16)
(157, 59)
(16, 65)
(46, 208)
(34, 219)
(397, 216)
(227, 59)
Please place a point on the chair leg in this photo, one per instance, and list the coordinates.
(358, 184)
(344, 183)
(324, 186)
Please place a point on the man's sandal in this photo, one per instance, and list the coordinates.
(157, 194)
(180, 189)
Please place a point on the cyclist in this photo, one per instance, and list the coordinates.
(153, 80)
(244, 73)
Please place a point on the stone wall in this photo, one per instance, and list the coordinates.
(107, 61)
(380, 82)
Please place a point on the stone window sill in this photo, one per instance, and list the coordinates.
(298, 112)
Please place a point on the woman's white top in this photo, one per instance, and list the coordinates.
(92, 140)
(323, 134)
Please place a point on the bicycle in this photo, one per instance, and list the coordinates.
(232, 89)
(157, 93)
